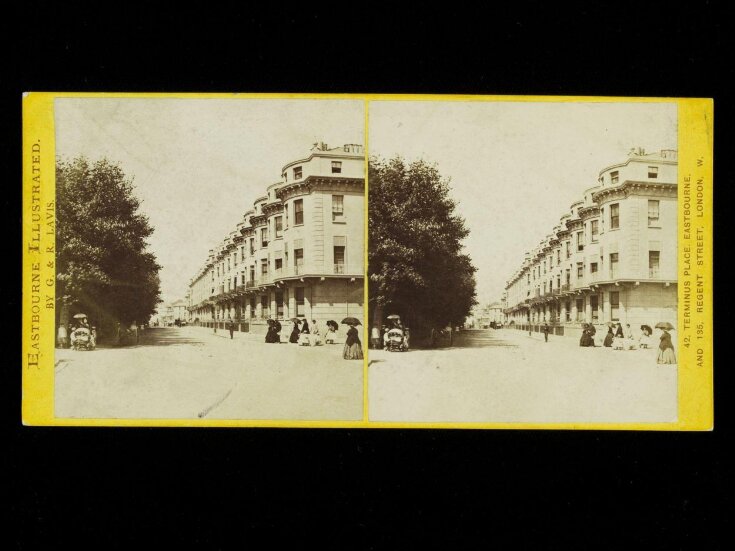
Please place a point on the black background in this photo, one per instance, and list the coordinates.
(364, 488)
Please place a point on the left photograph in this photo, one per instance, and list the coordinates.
(209, 258)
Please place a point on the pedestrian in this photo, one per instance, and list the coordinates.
(375, 337)
(231, 326)
(271, 335)
(304, 336)
(666, 349)
(546, 332)
(586, 339)
(62, 336)
(619, 340)
(294, 337)
(134, 329)
(629, 342)
(608, 338)
(316, 337)
(353, 346)
(331, 335)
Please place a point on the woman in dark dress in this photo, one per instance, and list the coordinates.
(304, 337)
(353, 346)
(294, 337)
(608, 338)
(272, 335)
(666, 350)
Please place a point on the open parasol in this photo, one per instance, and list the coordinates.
(333, 324)
(393, 317)
(351, 321)
(295, 320)
(610, 324)
(647, 329)
(82, 316)
(664, 325)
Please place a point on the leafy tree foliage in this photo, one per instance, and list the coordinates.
(103, 267)
(416, 265)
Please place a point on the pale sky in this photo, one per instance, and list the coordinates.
(516, 167)
(198, 164)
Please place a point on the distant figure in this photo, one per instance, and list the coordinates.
(316, 337)
(629, 342)
(231, 327)
(272, 335)
(304, 337)
(546, 332)
(375, 337)
(586, 339)
(619, 340)
(62, 336)
(608, 338)
(331, 335)
(294, 337)
(353, 346)
(666, 350)
(134, 330)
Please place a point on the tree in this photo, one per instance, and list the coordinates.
(103, 267)
(416, 266)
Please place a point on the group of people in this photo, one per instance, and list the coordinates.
(622, 338)
(66, 331)
(305, 334)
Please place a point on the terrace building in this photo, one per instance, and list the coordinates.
(612, 257)
(298, 252)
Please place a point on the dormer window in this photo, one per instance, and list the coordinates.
(297, 173)
(653, 172)
(614, 177)
(336, 167)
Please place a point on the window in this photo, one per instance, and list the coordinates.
(558, 257)
(654, 259)
(614, 216)
(279, 304)
(594, 301)
(285, 214)
(593, 267)
(298, 260)
(252, 307)
(613, 265)
(264, 310)
(653, 172)
(278, 226)
(278, 265)
(298, 212)
(339, 259)
(235, 258)
(228, 264)
(594, 229)
(299, 296)
(614, 305)
(544, 266)
(614, 177)
(580, 270)
(544, 287)
(242, 253)
(252, 246)
(336, 167)
(568, 276)
(568, 308)
(569, 252)
(264, 237)
(252, 274)
(338, 208)
(297, 173)
(264, 268)
(558, 282)
(580, 309)
(653, 212)
(580, 241)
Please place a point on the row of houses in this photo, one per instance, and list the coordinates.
(611, 258)
(297, 253)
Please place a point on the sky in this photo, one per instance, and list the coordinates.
(198, 164)
(516, 167)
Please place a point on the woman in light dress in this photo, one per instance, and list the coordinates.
(666, 349)
(316, 336)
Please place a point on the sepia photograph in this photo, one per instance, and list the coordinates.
(522, 262)
(209, 258)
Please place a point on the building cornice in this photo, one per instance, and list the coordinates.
(635, 187)
(320, 183)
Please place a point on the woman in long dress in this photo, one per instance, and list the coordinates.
(316, 337)
(331, 335)
(353, 346)
(294, 337)
(666, 350)
(608, 338)
(619, 340)
(305, 334)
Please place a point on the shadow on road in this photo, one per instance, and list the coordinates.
(477, 338)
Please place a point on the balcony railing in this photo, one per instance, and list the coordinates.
(339, 268)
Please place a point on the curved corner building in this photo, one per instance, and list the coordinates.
(299, 252)
(612, 257)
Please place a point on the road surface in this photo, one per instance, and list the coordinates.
(506, 376)
(191, 373)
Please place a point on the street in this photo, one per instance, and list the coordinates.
(191, 373)
(506, 376)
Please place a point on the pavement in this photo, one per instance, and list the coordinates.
(505, 376)
(193, 373)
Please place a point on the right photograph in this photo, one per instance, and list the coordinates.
(522, 261)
